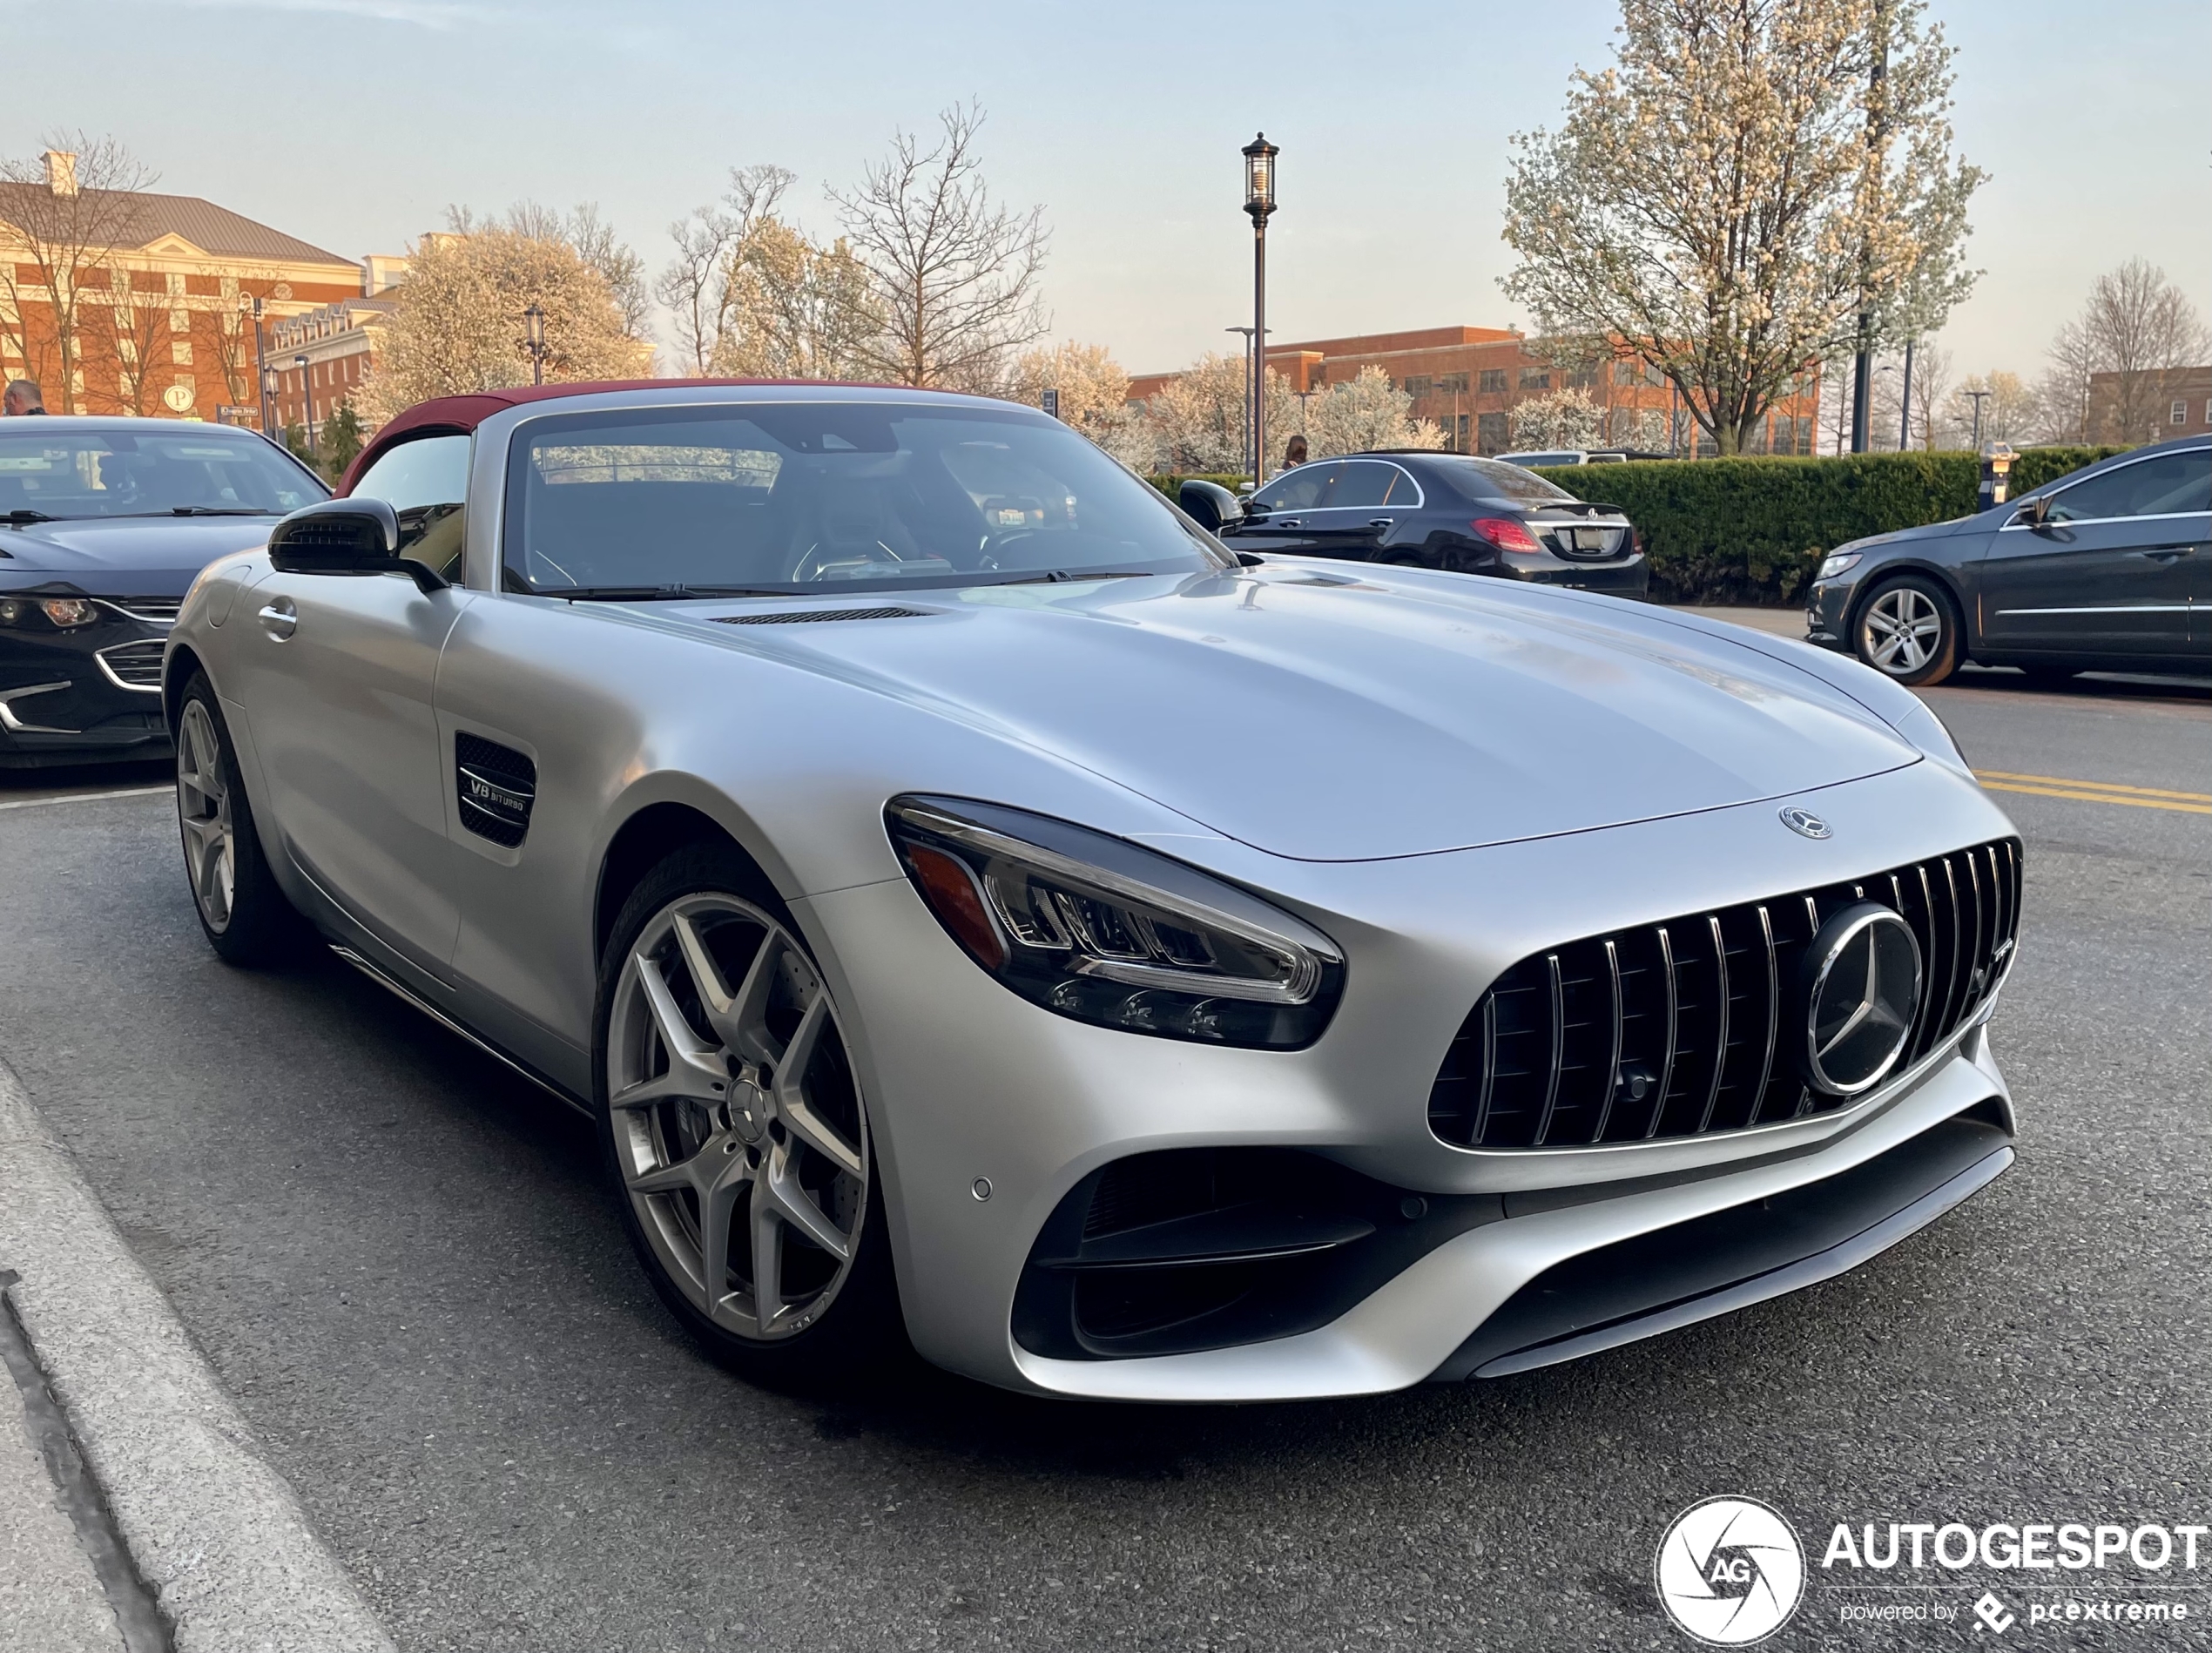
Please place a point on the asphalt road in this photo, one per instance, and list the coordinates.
(401, 1262)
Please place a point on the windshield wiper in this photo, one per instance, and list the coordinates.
(659, 593)
(1064, 575)
(17, 519)
(208, 511)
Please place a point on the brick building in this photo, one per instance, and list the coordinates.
(2177, 401)
(1467, 381)
(163, 290)
(319, 359)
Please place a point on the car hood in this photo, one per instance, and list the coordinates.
(1328, 715)
(160, 553)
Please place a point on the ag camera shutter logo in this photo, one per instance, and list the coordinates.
(1730, 1571)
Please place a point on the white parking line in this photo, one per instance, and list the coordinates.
(85, 797)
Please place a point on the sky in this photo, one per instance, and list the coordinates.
(354, 124)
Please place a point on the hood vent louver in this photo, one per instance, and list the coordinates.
(799, 616)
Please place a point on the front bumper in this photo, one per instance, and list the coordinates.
(975, 1093)
(1828, 614)
(87, 695)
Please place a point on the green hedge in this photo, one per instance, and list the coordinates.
(1168, 483)
(1750, 530)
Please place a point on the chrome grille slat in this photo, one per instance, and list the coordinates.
(1553, 1054)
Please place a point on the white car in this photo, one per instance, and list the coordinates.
(977, 907)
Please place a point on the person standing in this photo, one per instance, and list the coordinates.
(23, 396)
(1295, 453)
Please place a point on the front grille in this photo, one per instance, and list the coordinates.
(156, 611)
(133, 666)
(1685, 1027)
(794, 616)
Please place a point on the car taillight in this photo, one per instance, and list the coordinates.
(1506, 534)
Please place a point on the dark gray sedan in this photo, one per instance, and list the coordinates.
(2109, 569)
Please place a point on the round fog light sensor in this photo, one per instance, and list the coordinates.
(981, 1188)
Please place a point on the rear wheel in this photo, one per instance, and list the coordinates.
(243, 913)
(1909, 630)
(736, 1131)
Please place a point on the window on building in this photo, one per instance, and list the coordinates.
(2180, 414)
(1490, 430)
(1624, 373)
(1417, 385)
(180, 352)
(1494, 379)
(1449, 384)
(1582, 379)
(1535, 379)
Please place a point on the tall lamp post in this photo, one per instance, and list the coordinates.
(1979, 397)
(250, 303)
(534, 337)
(306, 400)
(1246, 438)
(1259, 201)
(270, 380)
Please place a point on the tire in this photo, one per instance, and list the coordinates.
(243, 913)
(785, 1167)
(1907, 629)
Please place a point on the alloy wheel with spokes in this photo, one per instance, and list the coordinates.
(204, 812)
(734, 1117)
(1907, 630)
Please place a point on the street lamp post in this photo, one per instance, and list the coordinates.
(534, 336)
(1979, 397)
(270, 380)
(1259, 201)
(306, 400)
(1904, 401)
(250, 303)
(1245, 438)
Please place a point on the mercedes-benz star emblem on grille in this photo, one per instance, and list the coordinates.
(1862, 985)
(1804, 823)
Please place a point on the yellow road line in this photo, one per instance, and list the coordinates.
(2099, 798)
(2096, 786)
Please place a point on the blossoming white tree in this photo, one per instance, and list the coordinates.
(1362, 414)
(1094, 398)
(1557, 419)
(1731, 197)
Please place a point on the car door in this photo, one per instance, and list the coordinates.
(2109, 571)
(1371, 499)
(1281, 515)
(338, 675)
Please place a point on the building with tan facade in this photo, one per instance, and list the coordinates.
(134, 302)
(1467, 381)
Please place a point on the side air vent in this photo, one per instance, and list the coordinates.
(800, 616)
(496, 785)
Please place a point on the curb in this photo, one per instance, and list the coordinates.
(213, 1529)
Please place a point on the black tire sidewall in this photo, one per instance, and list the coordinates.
(1944, 660)
(862, 1332)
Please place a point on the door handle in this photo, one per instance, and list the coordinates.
(2166, 553)
(1288, 521)
(278, 619)
(1380, 522)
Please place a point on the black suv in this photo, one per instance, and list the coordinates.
(1432, 510)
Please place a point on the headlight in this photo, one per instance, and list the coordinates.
(63, 612)
(1841, 563)
(1100, 930)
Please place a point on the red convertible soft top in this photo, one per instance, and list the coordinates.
(465, 413)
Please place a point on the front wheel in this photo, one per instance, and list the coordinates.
(1909, 630)
(245, 916)
(735, 1129)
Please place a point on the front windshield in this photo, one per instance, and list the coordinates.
(1495, 479)
(54, 470)
(788, 497)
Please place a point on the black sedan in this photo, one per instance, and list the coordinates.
(103, 524)
(2109, 569)
(1432, 510)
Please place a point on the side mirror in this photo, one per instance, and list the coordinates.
(2034, 512)
(1209, 504)
(345, 536)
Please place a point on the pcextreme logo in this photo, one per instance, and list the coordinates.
(1730, 1571)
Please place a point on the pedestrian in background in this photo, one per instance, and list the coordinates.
(1295, 453)
(23, 397)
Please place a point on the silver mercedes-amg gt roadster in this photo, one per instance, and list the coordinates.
(978, 908)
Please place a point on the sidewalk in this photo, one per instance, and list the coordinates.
(174, 1531)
